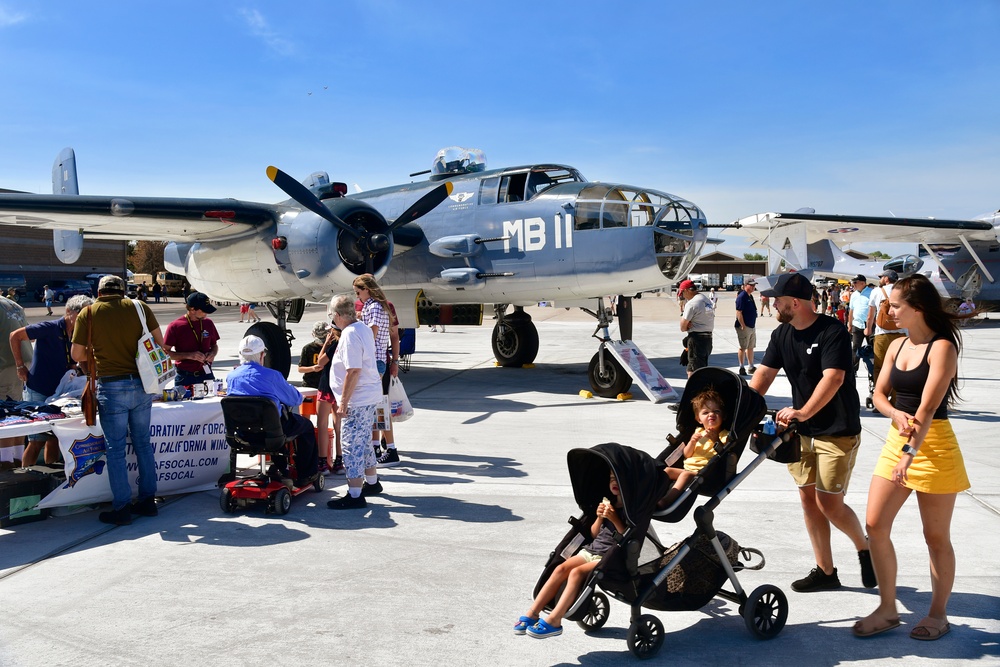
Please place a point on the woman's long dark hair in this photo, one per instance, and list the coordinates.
(920, 294)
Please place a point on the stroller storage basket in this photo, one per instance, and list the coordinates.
(696, 579)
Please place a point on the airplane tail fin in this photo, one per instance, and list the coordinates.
(64, 181)
(67, 243)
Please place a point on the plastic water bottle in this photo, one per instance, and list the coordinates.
(769, 426)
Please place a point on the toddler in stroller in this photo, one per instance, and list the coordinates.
(572, 572)
(709, 412)
(637, 568)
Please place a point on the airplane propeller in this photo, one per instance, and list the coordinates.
(368, 243)
(304, 196)
(424, 205)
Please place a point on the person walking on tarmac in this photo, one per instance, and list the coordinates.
(814, 350)
(746, 326)
(881, 337)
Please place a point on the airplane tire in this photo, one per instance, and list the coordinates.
(515, 341)
(615, 379)
(279, 354)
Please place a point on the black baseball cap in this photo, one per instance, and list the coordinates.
(859, 278)
(794, 285)
(890, 274)
(200, 301)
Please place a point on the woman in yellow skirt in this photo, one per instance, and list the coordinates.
(921, 452)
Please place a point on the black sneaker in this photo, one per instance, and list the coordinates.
(389, 459)
(371, 489)
(347, 502)
(338, 467)
(145, 507)
(868, 579)
(119, 517)
(743, 371)
(817, 580)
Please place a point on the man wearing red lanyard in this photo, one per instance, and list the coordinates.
(192, 342)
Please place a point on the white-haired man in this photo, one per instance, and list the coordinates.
(252, 378)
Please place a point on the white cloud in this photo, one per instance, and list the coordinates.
(10, 17)
(259, 27)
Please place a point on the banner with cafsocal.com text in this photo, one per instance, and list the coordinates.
(189, 446)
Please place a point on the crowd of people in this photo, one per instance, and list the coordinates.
(354, 354)
(817, 345)
(921, 453)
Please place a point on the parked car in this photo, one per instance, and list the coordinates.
(132, 291)
(65, 289)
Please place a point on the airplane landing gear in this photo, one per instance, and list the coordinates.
(608, 378)
(606, 375)
(515, 338)
(277, 337)
(279, 354)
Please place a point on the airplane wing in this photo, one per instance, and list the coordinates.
(131, 218)
(858, 228)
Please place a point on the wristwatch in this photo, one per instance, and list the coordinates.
(907, 449)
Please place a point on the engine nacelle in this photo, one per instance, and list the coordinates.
(313, 259)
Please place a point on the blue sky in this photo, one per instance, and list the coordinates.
(850, 107)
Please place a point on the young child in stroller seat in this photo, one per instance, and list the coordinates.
(709, 411)
(574, 571)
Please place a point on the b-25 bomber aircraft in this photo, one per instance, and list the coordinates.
(441, 248)
(961, 257)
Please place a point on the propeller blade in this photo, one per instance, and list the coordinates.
(424, 205)
(302, 195)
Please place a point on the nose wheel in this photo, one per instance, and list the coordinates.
(607, 377)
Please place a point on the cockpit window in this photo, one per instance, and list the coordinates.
(488, 190)
(512, 187)
(522, 186)
(602, 206)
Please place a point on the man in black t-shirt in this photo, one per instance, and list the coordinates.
(814, 350)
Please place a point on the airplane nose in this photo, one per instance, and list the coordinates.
(679, 226)
(679, 236)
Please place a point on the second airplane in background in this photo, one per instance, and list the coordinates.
(961, 257)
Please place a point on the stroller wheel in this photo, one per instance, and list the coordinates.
(765, 611)
(645, 636)
(282, 501)
(597, 613)
(227, 502)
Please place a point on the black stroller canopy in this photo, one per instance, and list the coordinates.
(641, 480)
(744, 407)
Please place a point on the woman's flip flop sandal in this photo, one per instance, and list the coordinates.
(859, 630)
(928, 633)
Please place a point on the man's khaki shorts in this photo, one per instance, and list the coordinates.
(747, 339)
(827, 462)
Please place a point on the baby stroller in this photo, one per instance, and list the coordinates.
(639, 570)
(253, 426)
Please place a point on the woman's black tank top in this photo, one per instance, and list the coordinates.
(909, 385)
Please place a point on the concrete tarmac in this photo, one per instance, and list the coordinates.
(437, 570)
